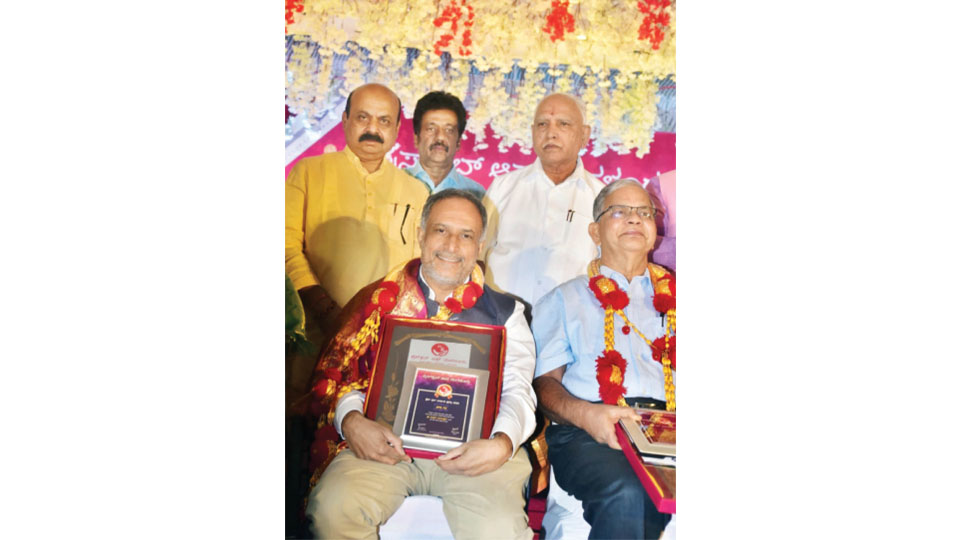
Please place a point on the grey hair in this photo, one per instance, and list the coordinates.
(613, 186)
(580, 104)
(450, 194)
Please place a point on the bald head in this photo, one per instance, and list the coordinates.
(376, 88)
(559, 133)
(371, 121)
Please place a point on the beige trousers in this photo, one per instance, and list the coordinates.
(355, 496)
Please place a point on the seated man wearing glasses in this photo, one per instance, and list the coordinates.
(604, 341)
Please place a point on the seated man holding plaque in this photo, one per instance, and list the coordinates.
(606, 342)
(423, 388)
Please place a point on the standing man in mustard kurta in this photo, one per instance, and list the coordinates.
(350, 215)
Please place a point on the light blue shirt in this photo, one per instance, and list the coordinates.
(453, 180)
(568, 330)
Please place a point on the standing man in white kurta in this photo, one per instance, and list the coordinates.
(538, 215)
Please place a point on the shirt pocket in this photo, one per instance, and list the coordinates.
(399, 223)
(575, 230)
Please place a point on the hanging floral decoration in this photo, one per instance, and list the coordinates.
(452, 14)
(500, 58)
(559, 20)
(656, 21)
(292, 6)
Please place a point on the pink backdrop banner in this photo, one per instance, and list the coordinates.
(485, 165)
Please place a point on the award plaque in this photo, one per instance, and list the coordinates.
(651, 452)
(436, 384)
(654, 436)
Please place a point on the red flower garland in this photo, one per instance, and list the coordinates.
(610, 368)
(655, 21)
(665, 302)
(657, 349)
(610, 365)
(559, 20)
(346, 349)
(292, 5)
(613, 296)
(385, 298)
(333, 378)
(470, 296)
(452, 14)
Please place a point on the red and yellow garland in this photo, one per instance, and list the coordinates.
(341, 369)
(611, 365)
(382, 302)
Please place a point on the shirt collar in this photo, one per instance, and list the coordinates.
(430, 294)
(642, 280)
(353, 158)
(575, 178)
(421, 174)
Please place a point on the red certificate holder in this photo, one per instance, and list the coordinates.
(443, 345)
(660, 482)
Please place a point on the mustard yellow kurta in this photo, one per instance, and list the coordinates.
(345, 227)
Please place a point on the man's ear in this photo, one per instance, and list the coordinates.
(420, 236)
(343, 117)
(586, 137)
(594, 230)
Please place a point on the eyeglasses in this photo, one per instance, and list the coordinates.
(619, 211)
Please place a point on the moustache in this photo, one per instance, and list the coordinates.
(441, 144)
(370, 137)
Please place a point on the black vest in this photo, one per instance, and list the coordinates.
(492, 308)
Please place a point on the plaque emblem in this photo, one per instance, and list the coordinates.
(444, 390)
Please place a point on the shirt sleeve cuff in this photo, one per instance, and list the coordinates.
(510, 429)
(351, 401)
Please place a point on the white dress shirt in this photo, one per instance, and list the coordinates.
(537, 231)
(518, 401)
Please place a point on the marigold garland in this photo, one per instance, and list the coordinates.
(465, 297)
(611, 365)
(382, 302)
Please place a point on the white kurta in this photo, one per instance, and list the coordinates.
(537, 231)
